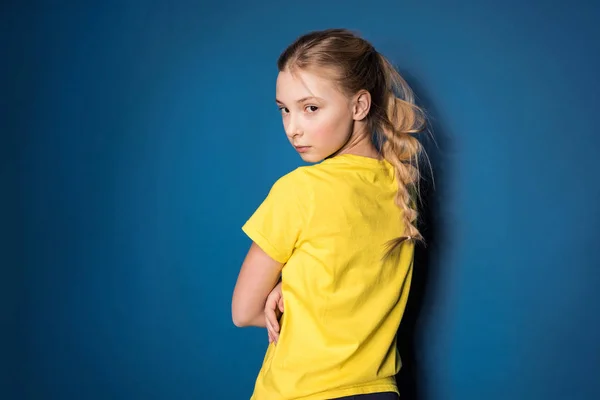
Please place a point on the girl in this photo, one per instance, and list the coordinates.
(339, 234)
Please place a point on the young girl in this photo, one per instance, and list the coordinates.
(333, 242)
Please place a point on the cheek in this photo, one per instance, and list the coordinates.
(331, 129)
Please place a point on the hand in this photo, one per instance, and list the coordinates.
(273, 311)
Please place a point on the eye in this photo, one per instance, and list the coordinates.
(283, 110)
(311, 109)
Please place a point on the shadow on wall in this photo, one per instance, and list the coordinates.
(410, 378)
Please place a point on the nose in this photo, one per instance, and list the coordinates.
(293, 128)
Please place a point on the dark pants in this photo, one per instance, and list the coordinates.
(371, 396)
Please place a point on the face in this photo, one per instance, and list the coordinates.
(318, 118)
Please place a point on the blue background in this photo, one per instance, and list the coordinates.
(139, 136)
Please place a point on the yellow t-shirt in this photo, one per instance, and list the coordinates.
(328, 223)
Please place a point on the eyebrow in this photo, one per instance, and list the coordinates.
(302, 100)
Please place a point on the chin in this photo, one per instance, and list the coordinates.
(311, 158)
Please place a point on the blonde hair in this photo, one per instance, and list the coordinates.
(393, 118)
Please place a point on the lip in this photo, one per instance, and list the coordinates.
(302, 149)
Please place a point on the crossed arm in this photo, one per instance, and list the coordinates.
(258, 276)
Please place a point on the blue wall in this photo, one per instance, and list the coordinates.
(143, 134)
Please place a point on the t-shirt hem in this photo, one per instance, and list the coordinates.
(348, 391)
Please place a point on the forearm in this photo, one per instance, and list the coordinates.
(257, 278)
(257, 321)
(249, 317)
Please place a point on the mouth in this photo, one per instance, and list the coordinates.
(302, 149)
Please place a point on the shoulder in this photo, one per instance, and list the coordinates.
(308, 174)
(305, 180)
(291, 179)
(299, 186)
(292, 187)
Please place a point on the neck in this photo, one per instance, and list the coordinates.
(359, 144)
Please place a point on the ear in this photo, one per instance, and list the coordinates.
(362, 105)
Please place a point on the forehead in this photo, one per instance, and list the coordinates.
(298, 84)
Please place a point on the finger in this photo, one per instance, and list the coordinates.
(269, 332)
(271, 313)
(271, 303)
(274, 323)
(273, 336)
(272, 320)
(268, 324)
(280, 304)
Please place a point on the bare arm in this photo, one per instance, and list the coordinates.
(258, 275)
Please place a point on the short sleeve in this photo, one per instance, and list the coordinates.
(277, 223)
